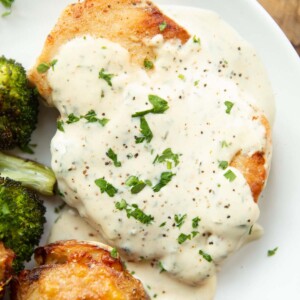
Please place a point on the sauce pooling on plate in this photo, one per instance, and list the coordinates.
(144, 152)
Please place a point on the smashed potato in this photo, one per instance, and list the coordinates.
(77, 270)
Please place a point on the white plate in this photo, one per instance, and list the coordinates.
(250, 274)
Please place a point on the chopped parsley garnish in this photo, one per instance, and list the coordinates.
(183, 237)
(159, 106)
(205, 256)
(272, 252)
(59, 208)
(148, 64)
(229, 106)
(162, 26)
(195, 222)
(163, 224)
(196, 40)
(91, 117)
(106, 76)
(44, 67)
(146, 132)
(223, 164)
(60, 125)
(72, 119)
(136, 184)
(181, 76)
(161, 267)
(114, 253)
(165, 178)
(134, 211)
(148, 182)
(179, 220)
(250, 230)
(167, 156)
(196, 82)
(114, 157)
(7, 3)
(224, 144)
(106, 187)
(230, 175)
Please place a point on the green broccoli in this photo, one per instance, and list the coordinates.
(18, 106)
(21, 220)
(29, 173)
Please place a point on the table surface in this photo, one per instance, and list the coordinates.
(287, 14)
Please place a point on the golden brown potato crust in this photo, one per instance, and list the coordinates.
(72, 270)
(126, 22)
(6, 258)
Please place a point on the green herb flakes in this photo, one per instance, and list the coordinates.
(181, 76)
(148, 64)
(135, 212)
(179, 220)
(44, 67)
(165, 178)
(114, 253)
(183, 237)
(161, 267)
(195, 222)
(72, 119)
(223, 164)
(106, 76)
(91, 117)
(159, 106)
(163, 224)
(230, 175)
(60, 125)
(146, 132)
(113, 156)
(167, 156)
(229, 105)
(224, 144)
(106, 187)
(162, 26)
(205, 256)
(7, 3)
(135, 184)
(196, 40)
(272, 252)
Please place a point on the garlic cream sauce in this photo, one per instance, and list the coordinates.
(157, 185)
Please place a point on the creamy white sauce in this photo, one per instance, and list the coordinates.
(195, 80)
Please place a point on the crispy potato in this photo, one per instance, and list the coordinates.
(76, 270)
(6, 258)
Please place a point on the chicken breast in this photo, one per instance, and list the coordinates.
(129, 23)
(77, 270)
(125, 22)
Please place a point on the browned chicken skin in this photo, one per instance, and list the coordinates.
(76, 270)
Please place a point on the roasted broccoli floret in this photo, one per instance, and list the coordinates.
(29, 173)
(18, 106)
(21, 220)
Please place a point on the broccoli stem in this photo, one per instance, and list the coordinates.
(29, 173)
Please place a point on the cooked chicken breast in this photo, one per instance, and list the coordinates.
(128, 23)
(77, 270)
(125, 22)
